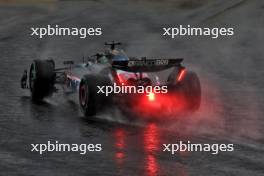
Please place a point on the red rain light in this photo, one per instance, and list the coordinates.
(151, 96)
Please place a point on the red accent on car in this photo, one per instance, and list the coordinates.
(181, 74)
(121, 79)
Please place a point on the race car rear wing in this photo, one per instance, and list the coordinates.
(146, 65)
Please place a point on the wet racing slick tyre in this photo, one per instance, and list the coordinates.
(190, 89)
(89, 99)
(41, 79)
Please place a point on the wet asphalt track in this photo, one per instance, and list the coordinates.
(231, 72)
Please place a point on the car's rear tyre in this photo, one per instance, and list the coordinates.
(89, 99)
(190, 89)
(41, 79)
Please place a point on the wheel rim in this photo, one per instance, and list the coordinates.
(83, 95)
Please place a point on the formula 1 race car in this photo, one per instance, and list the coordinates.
(95, 82)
